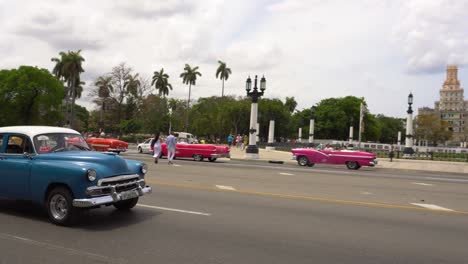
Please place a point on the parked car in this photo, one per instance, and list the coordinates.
(352, 159)
(198, 152)
(145, 147)
(185, 137)
(54, 166)
(107, 144)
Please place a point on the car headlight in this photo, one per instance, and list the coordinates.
(91, 174)
(144, 168)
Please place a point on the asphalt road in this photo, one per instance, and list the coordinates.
(250, 212)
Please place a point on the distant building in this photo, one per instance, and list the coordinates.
(452, 106)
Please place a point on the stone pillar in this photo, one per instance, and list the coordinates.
(258, 132)
(252, 150)
(409, 140)
(299, 139)
(271, 136)
(311, 133)
(351, 128)
(399, 140)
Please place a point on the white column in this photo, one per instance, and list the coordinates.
(399, 140)
(258, 132)
(299, 137)
(311, 131)
(253, 134)
(271, 136)
(409, 131)
(351, 128)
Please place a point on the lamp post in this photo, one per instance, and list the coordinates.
(408, 151)
(252, 150)
(170, 120)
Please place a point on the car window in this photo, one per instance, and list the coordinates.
(56, 142)
(1, 142)
(18, 145)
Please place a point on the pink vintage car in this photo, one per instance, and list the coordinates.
(352, 159)
(198, 151)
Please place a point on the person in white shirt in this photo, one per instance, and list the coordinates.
(171, 144)
(156, 147)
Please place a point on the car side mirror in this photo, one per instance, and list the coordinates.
(27, 155)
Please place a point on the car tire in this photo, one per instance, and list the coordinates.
(212, 159)
(126, 204)
(310, 164)
(60, 207)
(303, 161)
(140, 150)
(352, 165)
(198, 157)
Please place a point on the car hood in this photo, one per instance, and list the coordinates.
(104, 163)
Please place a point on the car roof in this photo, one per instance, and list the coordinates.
(32, 131)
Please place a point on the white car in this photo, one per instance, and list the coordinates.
(145, 147)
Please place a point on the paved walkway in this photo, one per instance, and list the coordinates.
(403, 164)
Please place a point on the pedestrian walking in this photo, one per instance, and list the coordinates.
(157, 147)
(171, 144)
(246, 141)
(238, 141)
(229, 140)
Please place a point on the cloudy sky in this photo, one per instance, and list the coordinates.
(309, 49)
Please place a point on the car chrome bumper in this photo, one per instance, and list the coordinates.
(224, 155)
(373, 163)
(117, 150)
(111, 198)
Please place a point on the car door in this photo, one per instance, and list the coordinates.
(15, 166)
(147, 145)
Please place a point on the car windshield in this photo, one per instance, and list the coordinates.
(55, 142)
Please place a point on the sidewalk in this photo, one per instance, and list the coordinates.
(401, 164)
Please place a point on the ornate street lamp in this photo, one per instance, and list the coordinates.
(252, 150)
(409, 151)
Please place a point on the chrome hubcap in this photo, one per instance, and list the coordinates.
(58, 206)
(303, 161)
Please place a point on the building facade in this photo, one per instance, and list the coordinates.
(452, 106)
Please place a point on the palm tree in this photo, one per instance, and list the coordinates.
(132, 84)
(69, 67)
(161, 82)
(104, 84)
(189, 76)
(223, 73)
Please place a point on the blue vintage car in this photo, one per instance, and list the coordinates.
(54, 166)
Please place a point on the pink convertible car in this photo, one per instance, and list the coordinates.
(352, 159)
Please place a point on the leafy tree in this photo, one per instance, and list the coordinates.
(432, 128)
(389, 128)
(120, 80)
(29, 96)
(161, 82)
(104, 89)
(222, 73)
(189, 76)
(155, 114)
(291, 104)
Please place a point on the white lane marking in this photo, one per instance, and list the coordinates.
(423, 184)
(176, 165)
(285, 173)
(433, 207)
(446, 179)
(223, 187)
(366, 193)
(69, 251)
(173, 209)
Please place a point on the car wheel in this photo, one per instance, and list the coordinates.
(310, 164)
(198, 157)
(352, 165)
(60, 207)
(212, 159)
(126, 204)
(140, 150)
(303, 161)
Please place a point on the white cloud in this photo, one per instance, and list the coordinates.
(308, 49)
